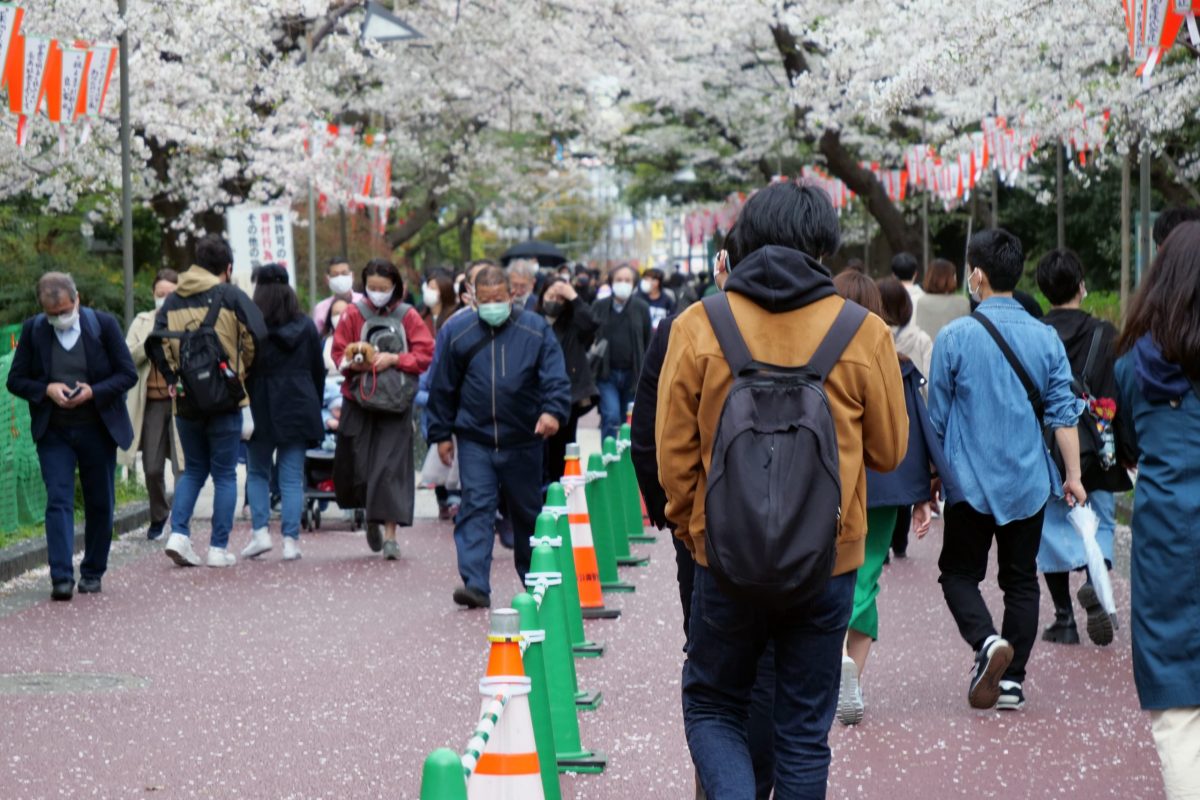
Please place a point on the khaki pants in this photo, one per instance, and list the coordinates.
(157, 448)
(1177, 737)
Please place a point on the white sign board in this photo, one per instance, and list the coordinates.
(260, 235)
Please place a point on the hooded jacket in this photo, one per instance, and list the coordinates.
(784, 303)
(1076, 329)
(239, 324)
(491, 384)
(287, 385)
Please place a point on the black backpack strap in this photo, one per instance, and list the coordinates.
(720, 316)
(214, 308)
(465, 362)
(841, 333)
(1031, 391)
(1093, 351)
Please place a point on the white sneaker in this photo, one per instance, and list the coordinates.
(179, 549)
(220, 557)
(850, 701)
(260, 543)
(291, 549)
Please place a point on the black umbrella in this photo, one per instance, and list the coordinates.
(547, 255)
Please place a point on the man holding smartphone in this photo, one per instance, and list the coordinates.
(72, 366)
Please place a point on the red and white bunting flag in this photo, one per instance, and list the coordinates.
(99, 77)
(24, 92)
(10, 28)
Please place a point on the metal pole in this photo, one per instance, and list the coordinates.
(344, 231)
(1061, 201)
(312, 199)
(1144, 214)
(126, 170)
(1126, 225)
(995, 198)
(866, 238)
(925, 233)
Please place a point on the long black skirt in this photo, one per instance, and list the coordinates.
(373, 464)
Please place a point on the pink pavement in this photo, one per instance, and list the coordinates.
(335, 676)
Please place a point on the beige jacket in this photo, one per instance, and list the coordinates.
(135, 400)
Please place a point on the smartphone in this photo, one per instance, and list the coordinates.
(71, 395)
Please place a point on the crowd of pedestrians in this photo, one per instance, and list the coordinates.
(792, 427)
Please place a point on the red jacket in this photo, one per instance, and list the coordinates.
(420, 343)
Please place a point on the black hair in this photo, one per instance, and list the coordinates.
(655, 273)
(214, 254)
(165, 274)
(274, 295)
(384, 269)
(895, 301)
(1059, 274)
(1171, 218)
(999, 255)
(1167, 304)
(335, 261)
(904, 266)
(786, 214)
(613, 273)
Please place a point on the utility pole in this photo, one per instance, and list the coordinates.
(1060, 199)
(312, 199)
(126, 168)
(1144, 212)
(1126, 239)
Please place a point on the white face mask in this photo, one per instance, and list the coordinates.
(974, 292)
(380, 299)
(341, 284)
(646, 285)
(158, 302)
(622, 291)
(64, 322)
(337, 318)
(432, 297)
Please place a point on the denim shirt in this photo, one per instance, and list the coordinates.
(983, 417)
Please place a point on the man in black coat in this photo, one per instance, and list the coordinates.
(72, 366)
(624, 332)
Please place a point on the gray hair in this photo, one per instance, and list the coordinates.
(492, 276)
(53, 285)
(525, 267)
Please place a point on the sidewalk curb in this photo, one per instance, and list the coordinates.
(31, 554)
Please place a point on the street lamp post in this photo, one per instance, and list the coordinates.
(126, 168)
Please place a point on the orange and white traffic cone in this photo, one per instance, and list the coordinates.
(587, 569)
(508, 767)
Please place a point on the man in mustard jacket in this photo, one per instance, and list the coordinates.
(784, 303)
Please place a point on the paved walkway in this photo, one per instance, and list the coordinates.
(333, 677)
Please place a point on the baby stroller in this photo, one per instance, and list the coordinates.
(318, 489)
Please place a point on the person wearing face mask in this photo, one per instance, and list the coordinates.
(574, 328)
(1090, 345)
(660, 300)
(438, 298)
(624, 332)
(340, 280)
(149, 405)
(72, 366)
(991, 428)
(373, 463)
(523, 275)
(499, 390)
(336, 310)
(211, 439)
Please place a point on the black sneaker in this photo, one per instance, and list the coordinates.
(1061, 631)
(471, 598)
(1011, 697)
(374, 536)
(990, 663)
(155, 531)
(1099, 623)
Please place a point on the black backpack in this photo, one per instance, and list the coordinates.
(774, 497)
(391, 391)
(210, 384)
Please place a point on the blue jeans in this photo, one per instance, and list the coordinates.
(210, 446)
(60, 449)
(289, 465)
(726, 639)
(616, 393)
(486, 473)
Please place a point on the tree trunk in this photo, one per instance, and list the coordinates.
(466, 238)
(900, 236)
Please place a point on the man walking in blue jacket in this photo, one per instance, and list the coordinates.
(501, 389)
(72, 365)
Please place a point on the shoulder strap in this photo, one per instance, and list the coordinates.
(843, 330)
(720, 315)
(214, 308)
(1093, 351)
(465, 361)
(364, 310)
(1031, 391)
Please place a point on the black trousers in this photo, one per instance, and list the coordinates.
(963, 563)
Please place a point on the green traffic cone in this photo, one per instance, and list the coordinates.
(616, 505)
(442, 776)
(628, 481)
(556, 506)
(539, 700)
(560, 667)
(602, 526)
